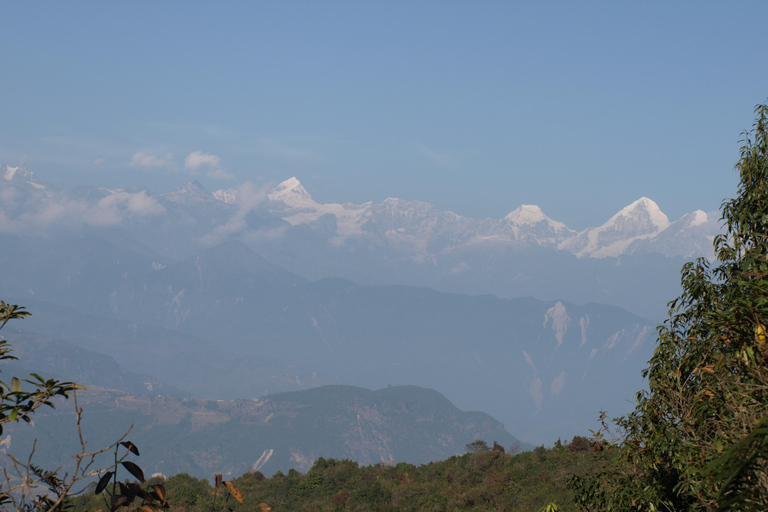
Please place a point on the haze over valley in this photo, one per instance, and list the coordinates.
(250, 291)
(375, 235)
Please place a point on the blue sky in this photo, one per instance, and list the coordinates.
(477, 107)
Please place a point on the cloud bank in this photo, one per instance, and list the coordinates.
(59, 210)
(198, 162)
(249, 197)
(145, 161)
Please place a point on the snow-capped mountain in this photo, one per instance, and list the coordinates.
(529, 224)
(293, 194)
(20, 176)
(690, 236)
(632, 261)
(417, 229)
(641, 226)
(257, 270)
(191, 193)
(290, 201)
(640, 220)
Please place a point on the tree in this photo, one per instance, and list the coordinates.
(17, 403)
(28, 486)
(697, 439)
(477, 446)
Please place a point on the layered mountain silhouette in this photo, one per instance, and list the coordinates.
(228, 314)
(632, 261)
(269, 434)
(255, 290)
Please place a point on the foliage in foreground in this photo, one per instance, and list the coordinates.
(484, 480)
(698, 440)
(29, 486)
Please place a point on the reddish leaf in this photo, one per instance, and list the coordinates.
(160, 490)
(234, 491)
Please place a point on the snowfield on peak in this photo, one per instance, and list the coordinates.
(21, 175)
(293, 194)
(415, 230)
(640, 220)
(418, 226)
(531, 214)
(395, 241)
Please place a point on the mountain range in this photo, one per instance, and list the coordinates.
(269, 434)
(210, 324)
(251, 291)
(632, 261)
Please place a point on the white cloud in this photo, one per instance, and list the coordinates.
(249, 197)
(220, 174)
(529, 360)
(152, 162)
(198, 162)
(558, 384)
(8, 194)
(535, 391)
(59, 210)
(460, 269)
(137, 204)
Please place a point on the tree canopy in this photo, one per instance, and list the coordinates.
(697, 439)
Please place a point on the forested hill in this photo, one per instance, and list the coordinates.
(273, 433)
(484, 480)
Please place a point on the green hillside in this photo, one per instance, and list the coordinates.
(273, 433)
(485, 480)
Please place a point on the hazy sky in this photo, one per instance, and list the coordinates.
(478, 107)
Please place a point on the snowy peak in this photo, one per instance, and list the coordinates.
(528, 215)
(292, 194)
(16, 172)
(20, 174)
(228, 196)
(641, 217)
(640, 220)
(689, 236)
(190, 193)
(696, 218)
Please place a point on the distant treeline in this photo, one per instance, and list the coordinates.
(488, 479)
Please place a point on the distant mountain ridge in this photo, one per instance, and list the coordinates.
(632, 261)
(416, 223)
(226, 323)
(253, 290)
(53, 358)
(397, 219)
(268, 434)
